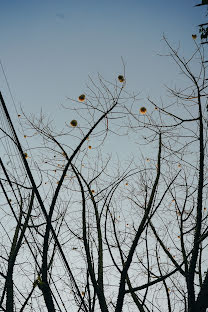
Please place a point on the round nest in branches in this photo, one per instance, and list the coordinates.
(143, 110)
(73, 123)
(121, 78)
(81, 98)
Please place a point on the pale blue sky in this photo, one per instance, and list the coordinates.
(48, 48)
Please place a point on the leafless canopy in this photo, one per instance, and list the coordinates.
(85, 229)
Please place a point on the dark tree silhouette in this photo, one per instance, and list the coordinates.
(82, 230)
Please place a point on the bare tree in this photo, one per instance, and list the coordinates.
(84, 231)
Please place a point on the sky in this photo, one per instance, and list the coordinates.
(49, 47)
